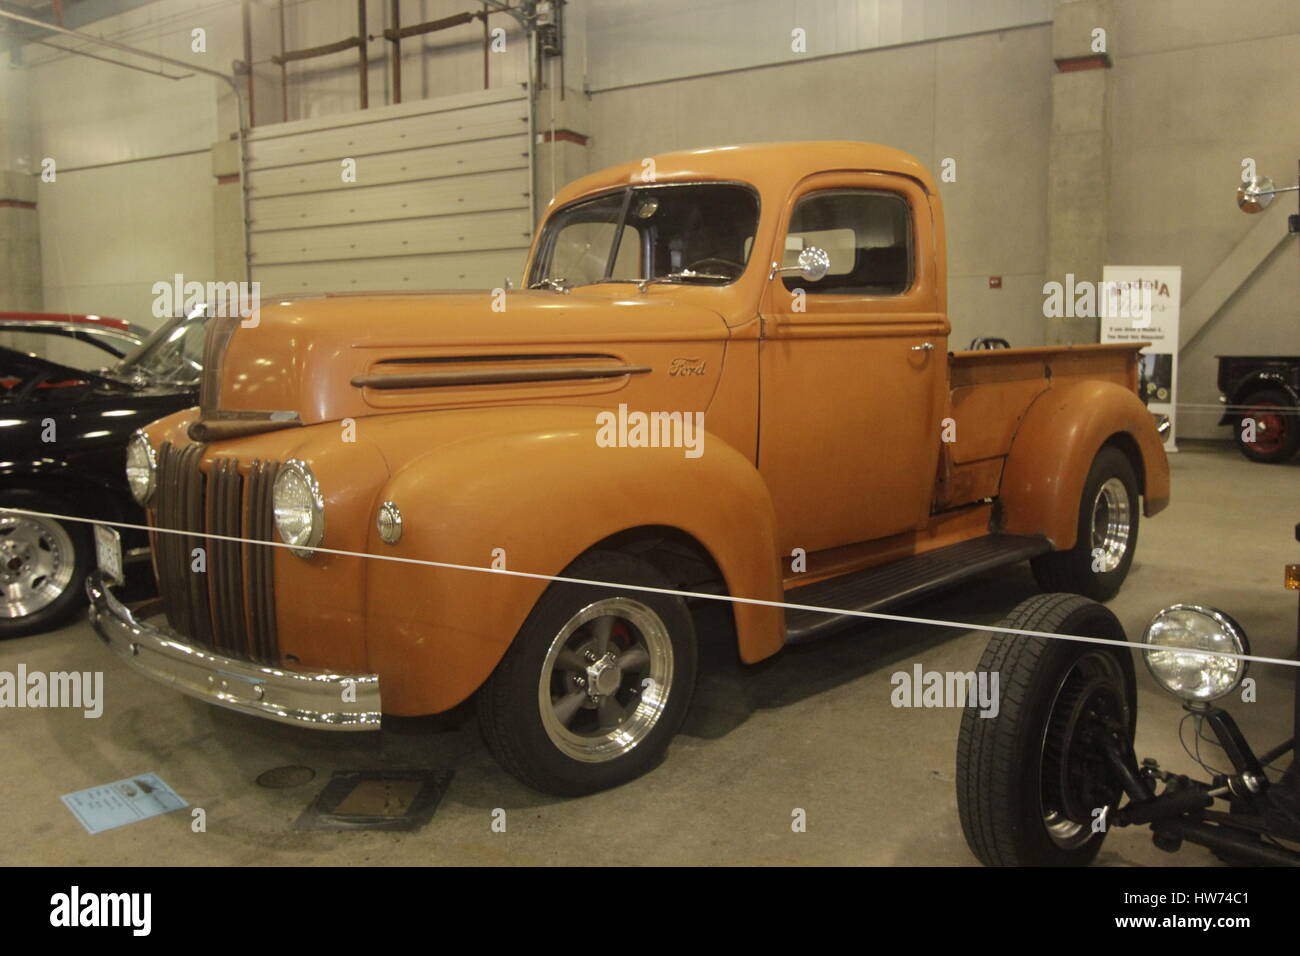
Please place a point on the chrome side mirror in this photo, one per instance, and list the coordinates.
(1256, 195)
(814, 264)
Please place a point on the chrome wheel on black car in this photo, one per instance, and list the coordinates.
(1033, 782)
(43, 564)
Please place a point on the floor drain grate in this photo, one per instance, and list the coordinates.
(376, 800)
(281, 778)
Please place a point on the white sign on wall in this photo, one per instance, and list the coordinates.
(1141, 305)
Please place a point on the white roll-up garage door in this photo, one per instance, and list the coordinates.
(441, 197)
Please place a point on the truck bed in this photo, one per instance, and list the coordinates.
(989, 392)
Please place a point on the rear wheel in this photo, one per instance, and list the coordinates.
(1107, 533)
(595, 684)
(1269, 429)
(43, 566)
(1032, 779)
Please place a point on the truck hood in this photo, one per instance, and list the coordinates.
(336, 357)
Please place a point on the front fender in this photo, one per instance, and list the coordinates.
(536, 495)
(1053, 449)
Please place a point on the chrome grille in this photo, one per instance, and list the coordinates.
(230, 607)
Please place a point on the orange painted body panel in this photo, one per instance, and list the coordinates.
(822, 432)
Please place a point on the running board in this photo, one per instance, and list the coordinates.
(901, 582)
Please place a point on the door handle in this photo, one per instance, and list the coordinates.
(923, 347)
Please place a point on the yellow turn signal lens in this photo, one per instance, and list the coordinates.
(1293, 577)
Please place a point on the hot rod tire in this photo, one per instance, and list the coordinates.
(1107, 533)
(1277, 427)
(1027, 781)
(43, 565)
(596, 682)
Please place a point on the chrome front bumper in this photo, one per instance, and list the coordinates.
(323, 701)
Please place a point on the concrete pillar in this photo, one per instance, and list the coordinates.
(560, 152)
(1079, 154)
(21, 287)
(227, 213)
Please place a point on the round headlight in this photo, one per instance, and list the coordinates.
(299, 507)
(141, 467)
(1181, 644)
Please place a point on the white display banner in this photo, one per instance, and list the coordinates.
(1141, 305)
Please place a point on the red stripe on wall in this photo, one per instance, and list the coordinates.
(563, 136)
(1097, 61)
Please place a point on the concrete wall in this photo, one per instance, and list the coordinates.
(133, 199)
(1198, 87)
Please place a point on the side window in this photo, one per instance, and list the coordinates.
(866, 233)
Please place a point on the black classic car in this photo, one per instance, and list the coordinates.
(1261, 395)
(63, 435)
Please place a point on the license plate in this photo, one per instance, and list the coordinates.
(108, 554)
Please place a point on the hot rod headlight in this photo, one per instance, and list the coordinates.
(141, 467)
(299, 507)
(1197, 677)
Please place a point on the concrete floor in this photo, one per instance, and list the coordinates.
(812, 729)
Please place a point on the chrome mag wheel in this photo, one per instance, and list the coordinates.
(1111, 524)
(606, 679)
(37, 559)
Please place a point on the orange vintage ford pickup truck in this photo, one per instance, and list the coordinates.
(729, 374)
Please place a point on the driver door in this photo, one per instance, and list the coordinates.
(854, 366)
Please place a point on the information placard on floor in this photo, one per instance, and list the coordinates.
(125, 801)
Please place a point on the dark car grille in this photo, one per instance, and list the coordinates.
(231, 607)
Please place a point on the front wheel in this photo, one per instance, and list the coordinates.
(43, 565)
(1033, 780)
(596, 683)
(1107, 533)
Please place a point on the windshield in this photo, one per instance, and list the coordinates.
(172, 354)
(691, 232)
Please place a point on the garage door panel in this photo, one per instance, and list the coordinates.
(413, 273)
(478, 231)
(440, 197)
(510, 152)
(371, 138)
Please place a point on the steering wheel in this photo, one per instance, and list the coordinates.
(988, 342)
(727, 263)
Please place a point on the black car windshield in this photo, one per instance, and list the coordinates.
(172, 354)
(687, 232)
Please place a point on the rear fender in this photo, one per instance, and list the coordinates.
(1053, 449)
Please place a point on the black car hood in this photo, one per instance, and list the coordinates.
(17, 367)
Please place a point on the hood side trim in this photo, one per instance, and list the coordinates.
(501, 376)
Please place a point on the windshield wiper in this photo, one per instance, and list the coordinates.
(555, 285)
(679, 277)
